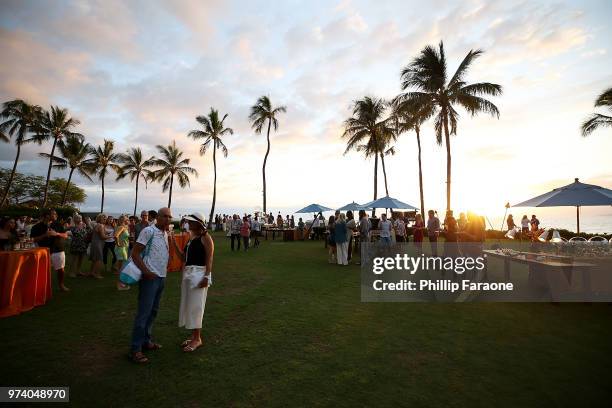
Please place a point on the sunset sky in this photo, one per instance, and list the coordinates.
(139, 72)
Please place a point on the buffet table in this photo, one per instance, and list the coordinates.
(25, 280)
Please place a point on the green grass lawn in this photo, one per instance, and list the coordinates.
(284, 328)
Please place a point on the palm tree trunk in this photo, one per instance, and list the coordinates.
(44, 204)
(102, 204)
(264, 167)
(10, 180)
(212, 208)
(375, 181)
(382, 160)
(448, 164)
(417, 130)
(67, 185)
(136, 198)
(170, 193)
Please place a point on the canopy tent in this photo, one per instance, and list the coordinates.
(353, 207)
(576, 194)
(313, 208)
(389, 202)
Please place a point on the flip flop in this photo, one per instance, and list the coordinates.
(191, 349)
(185, 343)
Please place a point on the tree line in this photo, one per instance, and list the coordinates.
(25, 123)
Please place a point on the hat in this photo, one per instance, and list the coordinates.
(196, 217)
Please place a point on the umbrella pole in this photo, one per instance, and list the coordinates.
(578, 218)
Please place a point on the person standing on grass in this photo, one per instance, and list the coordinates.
(419, 229)
(525, 224)
(51, 234)
(433, 230)
(109, 242)
(255, 231)
(364, 236)
(245, 232)
(400, 229)
(96, 250)
(78, 245)
(151, 284)
(197, 278)
(331, 240)
(351, 226)
(235, 229)
(341, 238)
(122, 238)
(385, 230)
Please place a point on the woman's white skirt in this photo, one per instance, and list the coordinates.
(193, 301)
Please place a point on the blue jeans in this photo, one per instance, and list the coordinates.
(149, 294)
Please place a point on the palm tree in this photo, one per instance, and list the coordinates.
(171, 165)
(427, 75)
(597, 119)
(368, 132)
(133, 166)
(102, 159)
(261, 112)
(213, 130)
(55, 124)
(406, 120)
(19, 120)
(74, 154)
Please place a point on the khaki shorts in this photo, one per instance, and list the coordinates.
(58, 260)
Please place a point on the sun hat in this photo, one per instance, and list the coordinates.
(196, 217)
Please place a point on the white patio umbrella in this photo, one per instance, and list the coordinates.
(576, 194)
(353, 207)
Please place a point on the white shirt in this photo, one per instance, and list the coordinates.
(385, 229)
(157, 257)
(255, 225)
(525, 223)
(316, 223)
(186, 226)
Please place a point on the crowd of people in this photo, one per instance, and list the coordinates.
(143, 241)
(343, 228)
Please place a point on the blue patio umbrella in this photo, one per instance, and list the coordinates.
(576, 194)
(352, 207)
(313, 208)
(389, 202)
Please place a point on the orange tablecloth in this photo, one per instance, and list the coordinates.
(25, 280)
(175, 263)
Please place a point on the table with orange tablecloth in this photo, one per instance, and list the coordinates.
(175, 263)
(25, 280)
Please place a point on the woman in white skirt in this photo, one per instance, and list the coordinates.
(197, 278)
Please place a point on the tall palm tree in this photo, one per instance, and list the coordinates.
(133, 166)
(102, 160)
(406, 120)
(597, 119)
(55, 124)
(212, 133)
(426, 74)
(171, 164)
(369, 133)
(19, 120)
(74, 154)
(261, 112)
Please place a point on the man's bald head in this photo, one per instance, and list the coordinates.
(164, 217)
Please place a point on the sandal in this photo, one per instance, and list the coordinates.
(185, 343)
(139, 358)
(190, 349)
(151, 346)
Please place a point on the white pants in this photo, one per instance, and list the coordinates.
(193, 301)
(342, 253)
